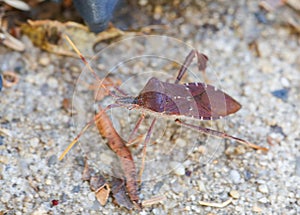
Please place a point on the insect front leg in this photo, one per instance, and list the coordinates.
(136, 127)
(147, 139)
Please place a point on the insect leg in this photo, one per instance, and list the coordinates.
(137, 125)
(201, 62)
(96, 118)
(147, 139)
(221, 134)
(187, 62)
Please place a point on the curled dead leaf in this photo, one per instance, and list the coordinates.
(86, 174)
(102, 194)
(118, 190)
(97, 182)
(47, 35)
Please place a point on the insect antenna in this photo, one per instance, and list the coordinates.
(97, 117)
(86, 63)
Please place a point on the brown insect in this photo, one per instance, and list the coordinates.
(190, 100)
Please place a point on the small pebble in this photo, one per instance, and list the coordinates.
(285, 82)
(34, 142)
(80, 161)
(156, 211)
(1, 140)
(48, 182)
(263, 188)
(239, 150)
(235, 176)
(52, 82)
(263, 200)
(4, 159)
(247, 175)
(76, 189)
(193, 198)
(180, 142)
(177, 167)
(40, 211)
(234, 194)
(201, 186)
(158, 10)
(202, 150)
(143, 2)
(176, 187)
(157, 187)
(52, 160)
(44, 61)
(91, 196)
(239, 208)
(196, 209)
(188, 173)
(256, 209)
(282, 94)
(277, 129)
(5, 197)
(265, 50)
(260, 16)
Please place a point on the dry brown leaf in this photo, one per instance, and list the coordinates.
(97, 182)
(86, 174)
(47, 35)
(119, 193)
(102, 194)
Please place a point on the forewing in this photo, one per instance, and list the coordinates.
(179, 101)
(212, 103)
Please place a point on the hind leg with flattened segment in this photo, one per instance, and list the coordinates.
(201, 62)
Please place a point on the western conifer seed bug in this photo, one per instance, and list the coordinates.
(195, 100)
(198, 101)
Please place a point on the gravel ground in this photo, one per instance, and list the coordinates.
(183, 165)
